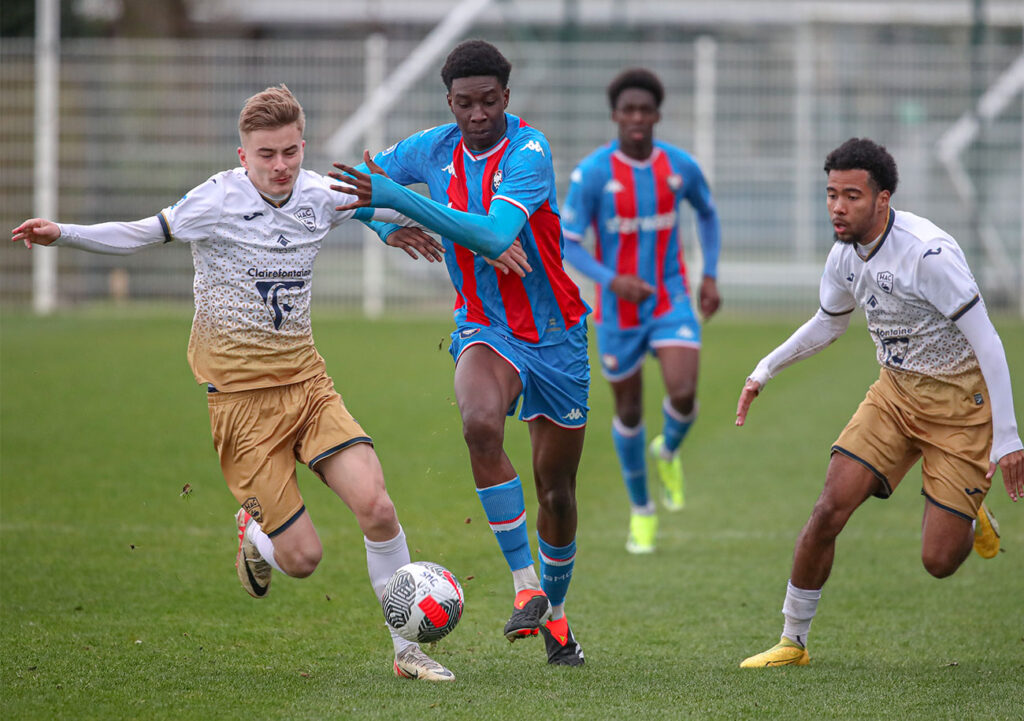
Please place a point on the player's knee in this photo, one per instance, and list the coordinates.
(483, 433)
(683, 398)
(299, 562)
(828, 518)
(377, 518)
(630, 414)
(559, 501)
(939, 564)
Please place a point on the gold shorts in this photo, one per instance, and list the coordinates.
(906, 416)
(260, 434)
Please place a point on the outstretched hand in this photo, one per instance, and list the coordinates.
(412, 240)
(751, 389)
(356, 183)
(1012, 466)
(513, 259)
(35, 231)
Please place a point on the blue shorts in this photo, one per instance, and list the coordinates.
(623, 350)
(555, 378)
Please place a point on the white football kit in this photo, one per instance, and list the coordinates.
(920, 299)
(253, 272)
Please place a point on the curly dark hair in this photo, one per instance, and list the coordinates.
(475, 57)
(636, 78)
(865, 154)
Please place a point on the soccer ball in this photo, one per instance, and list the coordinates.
(423, 601)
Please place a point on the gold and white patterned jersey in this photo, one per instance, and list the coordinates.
(253, 277)
(912, 287)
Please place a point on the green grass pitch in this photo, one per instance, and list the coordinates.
(118, 596)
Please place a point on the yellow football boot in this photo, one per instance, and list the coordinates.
(986, 533)
(642, 532)
(671, 475)
(784, 653)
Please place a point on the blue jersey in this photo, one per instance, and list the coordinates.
(539, 308)
(633, 206)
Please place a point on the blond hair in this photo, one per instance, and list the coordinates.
(273, 108)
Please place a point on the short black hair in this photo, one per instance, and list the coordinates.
(471, 58)
(865, 154)
(636, 78)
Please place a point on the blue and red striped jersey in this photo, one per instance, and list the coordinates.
(539, 308)
(633, 207)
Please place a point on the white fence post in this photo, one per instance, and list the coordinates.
(373, 249)
(44, 201)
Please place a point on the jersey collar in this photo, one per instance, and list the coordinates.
(497, 147)
(881, 241)
(645, 163)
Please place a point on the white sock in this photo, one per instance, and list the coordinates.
(557, 611)
(526, 578)
(799, 609)
(383, 558)
(263, 544)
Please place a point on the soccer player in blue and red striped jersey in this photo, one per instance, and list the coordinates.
(629, 192)
(520, 335)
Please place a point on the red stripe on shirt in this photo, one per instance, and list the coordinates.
(598, 255)
(547, 233)
(458, 198)
(627, 261)
(666, 201)
(518, 311)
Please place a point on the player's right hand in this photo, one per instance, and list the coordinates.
(36, 231)
(631, 288)
(1012, 466)
(750, 391)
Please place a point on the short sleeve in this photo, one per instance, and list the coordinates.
(529, 176)
(834, 292)
(945, 280)
(405, 161)
(193, 217)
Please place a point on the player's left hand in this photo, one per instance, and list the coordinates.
(356, 183)
(513, 259)
(416, 239)
(1012, 466)
(709, 298)
(751, 389)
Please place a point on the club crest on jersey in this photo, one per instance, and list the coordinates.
(610, 362)
(253, 508)
(274, 293)
(885, 281)
(674, 181)
(496, 180)
(307, 217)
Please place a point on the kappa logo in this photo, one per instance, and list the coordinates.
(614, 186)
(577, 176)
(450, 169)
(932, 251)
(685, 331)
(274, 293)
(884, 279)
(534, 146)
(252, 216)
(574, 415)
(390, 149)
(307, 217)
(253, 508)
(496, 180)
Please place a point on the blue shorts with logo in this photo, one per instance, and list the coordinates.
(623, 350)
(555, 378)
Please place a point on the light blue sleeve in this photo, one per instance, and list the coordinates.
(587, 264)
(698, 195)
(490, 235)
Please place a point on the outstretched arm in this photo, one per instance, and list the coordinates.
(490, 235)
(1006, 443)
(116, 238)
(816, 334)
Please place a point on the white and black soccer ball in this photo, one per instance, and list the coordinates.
(423, 601)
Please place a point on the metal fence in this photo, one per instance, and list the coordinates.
(142, 122)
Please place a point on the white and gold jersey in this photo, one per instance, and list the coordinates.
(253, 277)
(912, 287)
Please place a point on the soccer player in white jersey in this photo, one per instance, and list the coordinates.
(943, 393)
(255, 232)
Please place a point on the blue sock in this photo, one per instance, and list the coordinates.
(556, 564)
(676, 425)
(506, 514)
(629, 445)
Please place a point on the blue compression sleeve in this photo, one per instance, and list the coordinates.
(382, 229)
(710, 234)
(587, 264)
(490, 235)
